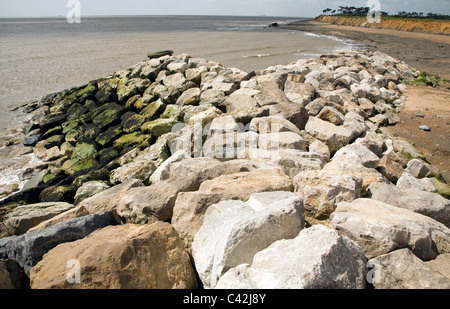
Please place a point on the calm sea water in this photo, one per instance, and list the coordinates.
(136, 24)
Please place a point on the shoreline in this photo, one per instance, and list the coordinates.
(426, 52)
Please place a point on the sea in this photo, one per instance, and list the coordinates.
(39, 56)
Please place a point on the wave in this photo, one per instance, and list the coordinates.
(258, 56)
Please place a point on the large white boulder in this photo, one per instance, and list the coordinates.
(318, 258)
(233, 231)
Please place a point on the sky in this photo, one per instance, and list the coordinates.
(290, 8)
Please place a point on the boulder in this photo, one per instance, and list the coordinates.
(318, 258)
(372, 141)
(21, 219)
(242, 185)
(163, 171)
(233, 231)
(368, 158)
(145, 205)
(320, 148)
(334, 137)
(271, 124)
(12, 276)
(426, 203)
(405, 148)
(417, 168)
(441, 264)
(321, 191)
(281, 140)
(331, 115)
(401, 269)
(118, 257)
(144, 164)
(73, 213)
(108, 199)
(392, 165)
(407, 181)
(290, 111)
(355, 123)
(178, 82)
(89, 189)
(189, 97)
(290, 161)
(28, 249)
(195, 74)
(380, 228)
(190, 207)
(244, 108)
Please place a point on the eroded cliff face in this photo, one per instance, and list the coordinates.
(427, 26)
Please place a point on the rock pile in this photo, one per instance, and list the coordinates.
(181, 173)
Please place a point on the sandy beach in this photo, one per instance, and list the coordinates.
(426, 52)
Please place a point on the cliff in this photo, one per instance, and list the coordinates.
(427, 26)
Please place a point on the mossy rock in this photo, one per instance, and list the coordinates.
(51, 132)
(98, 174)
(128, 141)
(170, 96)
(84, 151)
(159, 127)
(75, 134)
(144, 101)
(76, 166)
(70, 125)
(76, 111)
(442, 188)
(58, 194)
(53, 178)
(111, 82)
(90, 105)
(107, 137)
(53, 121)
(107, 155)
(90, 133)
(134, 123)
(55, 140)
(173, 112)
(153, 110)
(126, 89)
(105, 95)
(127, 116)
(87, 92)
(109, 116)
(129, 105)
(7, 208)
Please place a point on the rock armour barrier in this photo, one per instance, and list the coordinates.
(210, 176)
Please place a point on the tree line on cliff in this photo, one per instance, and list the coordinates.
(363, 11)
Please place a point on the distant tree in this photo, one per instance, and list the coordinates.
(326, 11)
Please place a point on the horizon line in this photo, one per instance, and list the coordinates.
(158, 15)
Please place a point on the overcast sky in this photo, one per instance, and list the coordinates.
(294, 8)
